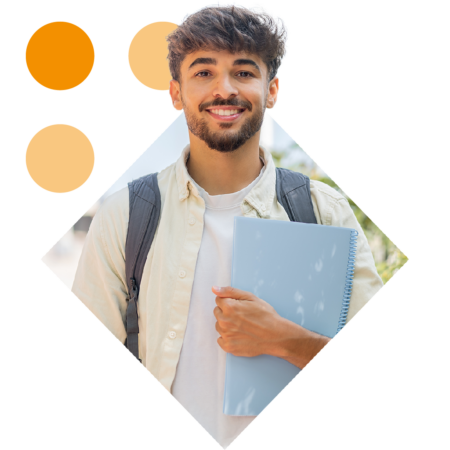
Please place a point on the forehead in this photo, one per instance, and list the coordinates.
(222, 58)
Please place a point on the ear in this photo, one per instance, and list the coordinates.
(175, 93)
(272, 93)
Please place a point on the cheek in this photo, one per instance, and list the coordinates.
(195, 94)
(256, 96)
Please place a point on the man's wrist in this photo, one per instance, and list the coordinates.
(297, 344)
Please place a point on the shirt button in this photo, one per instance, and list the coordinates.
(191, 220)
(172, 334)
(181, 273)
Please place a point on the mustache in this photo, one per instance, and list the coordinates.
(223, 102)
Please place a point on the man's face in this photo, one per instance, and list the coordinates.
(223, 96)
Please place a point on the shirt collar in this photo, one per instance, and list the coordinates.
(260, 198)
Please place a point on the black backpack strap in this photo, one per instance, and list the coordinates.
(145, 208)
(294, 194)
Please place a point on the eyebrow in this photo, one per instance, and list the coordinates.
(237, 62)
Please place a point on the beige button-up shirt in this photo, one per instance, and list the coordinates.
(166, 285)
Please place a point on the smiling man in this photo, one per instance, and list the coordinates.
(224, 62)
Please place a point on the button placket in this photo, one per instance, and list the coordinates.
(183, 287)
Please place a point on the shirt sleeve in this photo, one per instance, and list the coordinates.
(331, 208)
(100, 280)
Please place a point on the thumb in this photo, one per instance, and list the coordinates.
(232, 292)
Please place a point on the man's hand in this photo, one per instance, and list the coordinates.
(249, 326)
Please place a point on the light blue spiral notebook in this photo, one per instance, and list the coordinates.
(305, 272)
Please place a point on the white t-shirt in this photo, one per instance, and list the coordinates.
(200, 377)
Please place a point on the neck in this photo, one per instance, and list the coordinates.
(224, 173)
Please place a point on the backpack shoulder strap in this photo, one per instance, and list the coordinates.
(145, 208)
(294, 194)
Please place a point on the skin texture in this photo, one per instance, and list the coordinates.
(224, 158)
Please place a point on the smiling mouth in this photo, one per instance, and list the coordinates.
(225, 113)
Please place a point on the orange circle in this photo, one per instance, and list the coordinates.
(148, 55)
(60, 158)
(60, 55)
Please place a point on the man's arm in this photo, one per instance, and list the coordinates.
(249, 326)
(300, 345)
(100, 278)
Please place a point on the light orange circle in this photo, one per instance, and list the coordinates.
(60, 55)
(148, 55)
(60, 158)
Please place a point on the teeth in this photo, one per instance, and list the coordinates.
(225, 112)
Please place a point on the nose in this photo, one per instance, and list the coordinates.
(225, 87)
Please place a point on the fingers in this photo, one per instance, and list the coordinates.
(224, 303)
(218, 314)
(230, 292)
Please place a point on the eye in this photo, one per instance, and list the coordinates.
(244, 74)
(202, 74)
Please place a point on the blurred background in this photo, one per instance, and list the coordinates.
(63, 257)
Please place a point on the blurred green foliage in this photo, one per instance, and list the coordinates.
(388, 258)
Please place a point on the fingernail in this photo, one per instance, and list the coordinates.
(217, 288)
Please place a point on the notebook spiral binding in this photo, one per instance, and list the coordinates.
(348, 281)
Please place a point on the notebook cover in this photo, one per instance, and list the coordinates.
(302, 271)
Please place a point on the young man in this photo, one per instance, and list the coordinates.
(224, 62)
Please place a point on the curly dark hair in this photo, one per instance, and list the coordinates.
(231, 28)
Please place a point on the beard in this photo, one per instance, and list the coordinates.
(225, 141)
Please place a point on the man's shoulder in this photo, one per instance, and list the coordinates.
(112, 216)
(116, 203)
(321, 189)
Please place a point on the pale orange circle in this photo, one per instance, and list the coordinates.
(148, 55)
(60, 55)
(60, 158)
